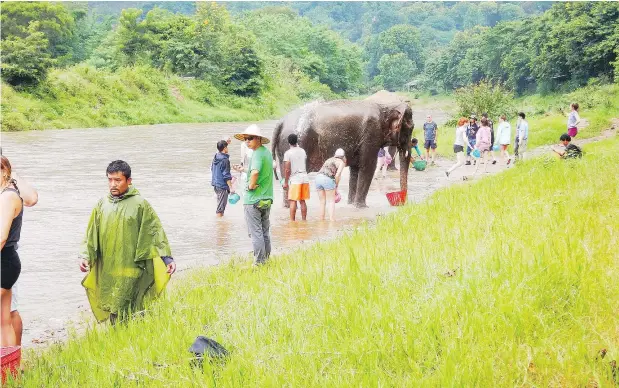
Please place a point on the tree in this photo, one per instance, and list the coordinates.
(395, 71)
(25, 60)
(494, 99)
(51, 19)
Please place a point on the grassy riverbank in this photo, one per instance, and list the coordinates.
(84, 97)
(511, 280)
(547, 116)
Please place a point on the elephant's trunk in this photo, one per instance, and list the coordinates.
(405, 159)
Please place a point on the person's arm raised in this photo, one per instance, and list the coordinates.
(8, 207)
(28, 193)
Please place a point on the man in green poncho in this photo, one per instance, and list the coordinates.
(125, 249)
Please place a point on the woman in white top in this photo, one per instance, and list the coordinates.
(461, 141)
(503, 137)
(572, 120)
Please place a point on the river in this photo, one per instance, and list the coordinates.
(170, 167)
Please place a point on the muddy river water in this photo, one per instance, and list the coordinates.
(170, 166)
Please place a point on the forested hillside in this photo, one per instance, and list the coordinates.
(293, 51)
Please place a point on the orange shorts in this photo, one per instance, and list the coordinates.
(299, 192)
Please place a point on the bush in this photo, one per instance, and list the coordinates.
(495, 99)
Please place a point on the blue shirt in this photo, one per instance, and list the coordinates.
(429, 130)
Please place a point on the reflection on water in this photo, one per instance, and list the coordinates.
(171, 168)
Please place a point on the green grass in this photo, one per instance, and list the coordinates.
(84, 97)
(509, 281)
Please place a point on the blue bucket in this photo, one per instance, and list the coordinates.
(495, 148)
(476, 153)
(234, 198)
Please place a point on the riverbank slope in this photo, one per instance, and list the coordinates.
(510, 280)
(85, 97)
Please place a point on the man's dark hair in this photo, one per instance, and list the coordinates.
(221, 145)
(119, 165)
(565, 137)
(414, 141)
(521, 114)
(293, 139)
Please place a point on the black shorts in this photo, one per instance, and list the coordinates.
(11, 267)
(429, 144)
(458, 148)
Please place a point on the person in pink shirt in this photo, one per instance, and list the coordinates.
(483, 143)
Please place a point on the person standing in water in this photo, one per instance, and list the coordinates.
(296, 181)
(221, 178)
(327, 180)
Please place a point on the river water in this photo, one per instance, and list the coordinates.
(170, 166)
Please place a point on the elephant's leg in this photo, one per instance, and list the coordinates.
(352, 184)
(363, 186)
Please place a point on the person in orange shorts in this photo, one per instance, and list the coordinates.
(296, 180)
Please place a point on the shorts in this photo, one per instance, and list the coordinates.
(323, 182)
(299, 192)
(222, 200)
(573, 131)
(11, 267)
(458, 148)
(429, 144)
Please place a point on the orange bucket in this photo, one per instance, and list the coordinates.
(397, 198)
(11, 357)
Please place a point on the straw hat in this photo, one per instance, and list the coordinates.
(252, 130)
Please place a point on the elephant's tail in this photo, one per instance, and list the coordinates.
(274, 148)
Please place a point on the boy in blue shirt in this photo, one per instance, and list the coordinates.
(221, 177)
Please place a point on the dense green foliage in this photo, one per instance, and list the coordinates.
(561, 49)
(484, 98)
(526, 296)
(320, 49)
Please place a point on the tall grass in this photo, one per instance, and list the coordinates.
(510, 281)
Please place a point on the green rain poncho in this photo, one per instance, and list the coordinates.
(124, 244)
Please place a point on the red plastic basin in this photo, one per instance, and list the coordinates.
(397, 198)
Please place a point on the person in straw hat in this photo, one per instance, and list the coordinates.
(259, 192)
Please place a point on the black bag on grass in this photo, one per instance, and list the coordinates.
(204, 346)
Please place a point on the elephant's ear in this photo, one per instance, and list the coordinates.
(395, 117)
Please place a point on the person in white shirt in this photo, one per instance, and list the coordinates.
(522, 137)
(296, 181)
(459, 143)
(503, 137)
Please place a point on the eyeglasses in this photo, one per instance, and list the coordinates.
(249, 138)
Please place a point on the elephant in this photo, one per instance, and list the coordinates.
(360, 127)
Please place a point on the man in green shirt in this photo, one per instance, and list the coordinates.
(259, 192)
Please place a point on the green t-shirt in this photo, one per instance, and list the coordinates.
(262, 161)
